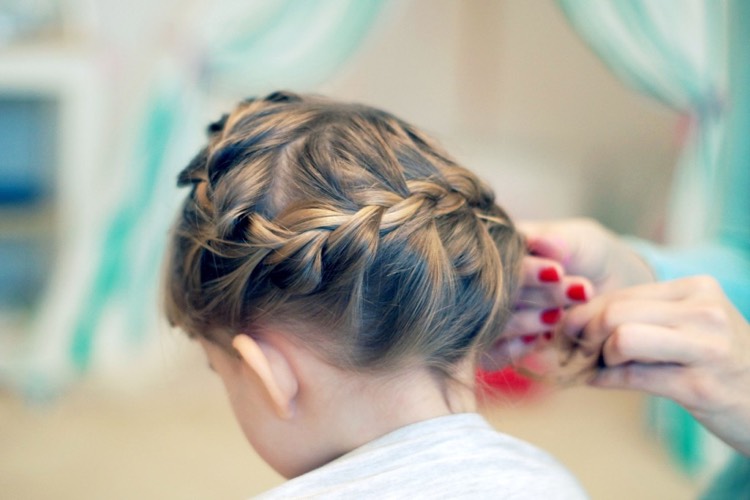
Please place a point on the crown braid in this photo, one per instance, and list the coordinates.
(346, 219)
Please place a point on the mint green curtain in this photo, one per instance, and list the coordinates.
(231, 49)
(692, 56)
(675, 52)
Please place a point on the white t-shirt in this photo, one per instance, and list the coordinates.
(455, 456)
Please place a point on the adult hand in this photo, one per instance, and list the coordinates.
(681, 339)
(570, 261)
(585, 248)
(545, 290)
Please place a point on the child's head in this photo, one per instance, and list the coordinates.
(344, 228)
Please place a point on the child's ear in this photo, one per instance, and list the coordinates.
(272, 368)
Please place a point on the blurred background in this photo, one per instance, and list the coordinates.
(103, 102)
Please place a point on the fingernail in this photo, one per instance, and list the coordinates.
(551, 316)
(549, 275)
(547, 335)
(576, 292)
(528, 339)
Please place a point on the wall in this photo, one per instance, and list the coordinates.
(512, 91)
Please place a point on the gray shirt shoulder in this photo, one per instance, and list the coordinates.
(455, 456)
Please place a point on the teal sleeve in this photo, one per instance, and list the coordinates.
(732, 483)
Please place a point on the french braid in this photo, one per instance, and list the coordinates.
(347, 220)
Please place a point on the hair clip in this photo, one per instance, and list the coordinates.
(218, 125)
(282, 96)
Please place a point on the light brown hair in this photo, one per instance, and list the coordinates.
(342, 218)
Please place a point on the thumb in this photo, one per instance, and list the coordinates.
(542, 241)
(504, 353)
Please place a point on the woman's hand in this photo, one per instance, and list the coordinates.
(681, 339)
(570, 261)
(585, 248)
(545, 291)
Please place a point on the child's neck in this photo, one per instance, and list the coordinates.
(371, 407)
(351, 409)
(331, 411)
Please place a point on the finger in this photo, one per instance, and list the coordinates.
(571, 290)
(651, 344)
(537, 271)
(663, 290)
(541, 242)
(599, 318)
(506, 352)
(660, 380)
(532, 321)
(496, 357)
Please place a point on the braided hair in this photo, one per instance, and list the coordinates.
(344, 219)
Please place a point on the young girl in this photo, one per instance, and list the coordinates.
(343, 275)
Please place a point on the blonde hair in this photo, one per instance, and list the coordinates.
(344, 219)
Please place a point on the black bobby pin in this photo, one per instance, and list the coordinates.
(282, 96)
(191, 173)
(218, 125)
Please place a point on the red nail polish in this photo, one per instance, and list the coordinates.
(551, 316)
(528, 339)
(547, 335)
(576, 292)
(549, 275)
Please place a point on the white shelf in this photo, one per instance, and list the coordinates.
(73, 78)
(22, 221)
